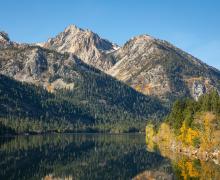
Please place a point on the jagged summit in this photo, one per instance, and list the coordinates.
(4, 37)
(72, 27)
(142, 37)
(5, 40)
(86, 44)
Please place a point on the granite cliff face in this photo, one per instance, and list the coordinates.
(40, 66)
(156, 67)
(85, 44)
(5, 40)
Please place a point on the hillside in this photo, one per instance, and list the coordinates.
(192, 127)
(26, 108)
(156, 67)
(101, 102)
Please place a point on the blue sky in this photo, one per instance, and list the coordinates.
(193, 25)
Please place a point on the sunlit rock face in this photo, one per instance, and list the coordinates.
(198, 90)
(4, 37)
(42, 67)
(85, 44)
(156, 67)
(5, 40)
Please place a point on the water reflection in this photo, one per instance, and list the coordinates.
(188, 167)
(94, 157)
(77, 157)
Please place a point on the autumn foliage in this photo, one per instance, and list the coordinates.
(192, 123)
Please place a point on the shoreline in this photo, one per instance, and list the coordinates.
(66, 133)
(189, 151)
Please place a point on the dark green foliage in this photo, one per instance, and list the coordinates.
(77, 157)
(25, 107)
(98, 103)
(184, 110)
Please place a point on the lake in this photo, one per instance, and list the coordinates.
(95, 156)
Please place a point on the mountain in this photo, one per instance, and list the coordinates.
(27, 108)
(109, 104)
(118, 89)
(85, 44)
(5, 40)
(157, 68)
(4, 37)
(39, 66)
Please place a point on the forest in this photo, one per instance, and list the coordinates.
(26, 108)
(191, 123)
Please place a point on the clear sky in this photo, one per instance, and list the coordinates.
(193, 25)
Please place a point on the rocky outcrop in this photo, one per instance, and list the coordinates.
(85, 44)
(4, 38)
(41, 67)
(156, 67)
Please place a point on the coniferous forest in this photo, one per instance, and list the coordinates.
(26, 108)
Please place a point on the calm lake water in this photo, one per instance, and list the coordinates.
(87, 156)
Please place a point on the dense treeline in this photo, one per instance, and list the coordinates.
(114, 105)
(184, 111)
(25, 108)
(96, 104)
(190, 124)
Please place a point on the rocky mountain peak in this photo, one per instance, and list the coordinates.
(85, 44)
(142, 38)
(140, 45)
(156, 67)
(4, 38)
(72, 28)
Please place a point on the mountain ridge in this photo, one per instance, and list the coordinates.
(85, 44)
(122, 87)
(146, 64)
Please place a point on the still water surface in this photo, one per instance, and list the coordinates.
(86, 156)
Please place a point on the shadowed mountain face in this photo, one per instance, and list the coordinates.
(85, 44)
(155, 67)
(75, 86)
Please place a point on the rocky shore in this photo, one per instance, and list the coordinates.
(190, 151)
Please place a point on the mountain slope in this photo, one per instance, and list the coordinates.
(85, 44)
(113, 105)
(27, 108)
(155, 67)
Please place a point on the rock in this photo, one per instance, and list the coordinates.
(156, 67)
(85, 44)
(198, 89)
(42, 67)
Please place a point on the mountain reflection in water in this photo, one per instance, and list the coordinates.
(86, 156)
